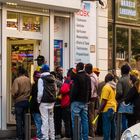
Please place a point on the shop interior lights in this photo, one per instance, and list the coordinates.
(100, 1)
(11, 3)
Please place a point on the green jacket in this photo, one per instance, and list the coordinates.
(123, 87)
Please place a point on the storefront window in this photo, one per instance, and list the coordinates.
(61, 42)
(31, 23)
(12, 20)
(121, 46)
(21, 55)
(135, 48)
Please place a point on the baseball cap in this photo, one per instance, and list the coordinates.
(40, 58)
(96, 70)
(45, 68)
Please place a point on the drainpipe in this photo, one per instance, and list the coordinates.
(114, 34)
(1, 72)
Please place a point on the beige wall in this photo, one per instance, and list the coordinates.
(102, 40)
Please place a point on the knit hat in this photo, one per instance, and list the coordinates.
(45, 68)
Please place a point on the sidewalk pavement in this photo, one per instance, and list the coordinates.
(96, 138)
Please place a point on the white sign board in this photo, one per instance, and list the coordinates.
(85, 33)
(128, 9)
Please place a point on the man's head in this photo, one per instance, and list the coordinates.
(45, 68)
(88, 68)
(80, 66)
(40, 60)
(125, 69)
(21, 70)
(96, 71)
(109, 77)
(59, 70)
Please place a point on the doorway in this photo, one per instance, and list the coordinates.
(21, 52)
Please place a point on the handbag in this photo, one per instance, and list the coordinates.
(126, 108)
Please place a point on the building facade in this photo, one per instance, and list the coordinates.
(127, 37)
(65, 32)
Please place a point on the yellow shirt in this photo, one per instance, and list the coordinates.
(109, 94)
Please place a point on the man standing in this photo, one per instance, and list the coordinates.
(122, 89)
(81, 93)
(40, 61)
(21, 89)
(108, 108)
(46, 98)
(94, 97)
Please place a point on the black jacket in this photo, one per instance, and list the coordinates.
(49, 92)
(134, 98)
(81, 88)
(34, 106)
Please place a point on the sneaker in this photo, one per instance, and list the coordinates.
(66, 138)
(34, 138)
(91, 138)
(58, 137)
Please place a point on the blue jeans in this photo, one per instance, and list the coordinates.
(38, 123)
(109, 126)
(80, 109)
(20, 109)
(124, 122)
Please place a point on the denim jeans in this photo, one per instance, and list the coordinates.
(80, 109)
(38, 123)
(124, 122)
(20, 109)
(109, 126)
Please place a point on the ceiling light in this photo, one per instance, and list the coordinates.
(11, 3)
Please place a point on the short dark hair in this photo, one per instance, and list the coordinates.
(21, 70)
(88, 68)
(109, 77)
(69, 71)
(125, 69)
(53, 73)
(57, 68)
(80, 66)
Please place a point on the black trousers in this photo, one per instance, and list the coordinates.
(66, 117)
(58, 120)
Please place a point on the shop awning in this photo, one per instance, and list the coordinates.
(61, 5)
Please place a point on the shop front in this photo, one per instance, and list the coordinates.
(26, 32)
(127, 33)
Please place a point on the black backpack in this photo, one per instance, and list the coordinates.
(49, 92)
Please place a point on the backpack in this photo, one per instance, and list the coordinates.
(49, 92)
(65, 92)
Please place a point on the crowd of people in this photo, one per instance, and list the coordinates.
(54, 101)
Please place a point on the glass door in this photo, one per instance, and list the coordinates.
(20, 53)
(61, 42)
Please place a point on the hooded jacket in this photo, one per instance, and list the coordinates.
(109, 94)
(81, 87)
(46, 88)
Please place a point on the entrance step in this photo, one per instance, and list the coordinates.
(10, 133)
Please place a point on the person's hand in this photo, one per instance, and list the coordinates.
(98, 111)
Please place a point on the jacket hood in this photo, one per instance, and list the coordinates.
(112, 84)
(48, 77)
